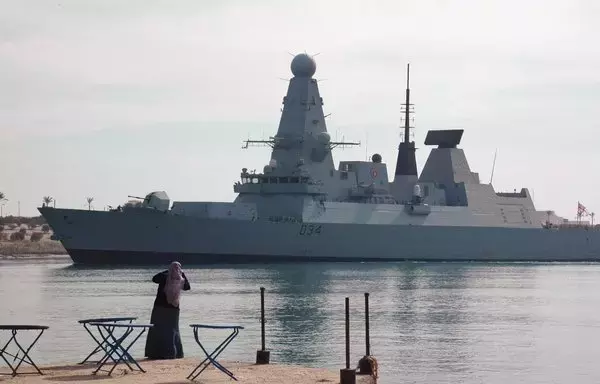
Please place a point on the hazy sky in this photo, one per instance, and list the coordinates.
(109, 98)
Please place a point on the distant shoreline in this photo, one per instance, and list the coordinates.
(27, 248)
(36, 259)
(32, 241)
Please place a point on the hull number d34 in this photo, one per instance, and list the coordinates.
(310, 230)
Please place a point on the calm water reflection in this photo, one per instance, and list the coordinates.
(443, 323)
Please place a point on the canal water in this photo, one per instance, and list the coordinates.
(430, 322)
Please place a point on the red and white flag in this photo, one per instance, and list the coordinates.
(581, 210)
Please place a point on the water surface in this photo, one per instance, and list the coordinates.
(430, 322)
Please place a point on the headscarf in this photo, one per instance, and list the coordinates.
(174, 283)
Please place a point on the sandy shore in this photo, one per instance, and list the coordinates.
(176, 371)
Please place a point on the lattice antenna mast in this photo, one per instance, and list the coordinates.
(273, 143)
(259, 143)
(407, 107)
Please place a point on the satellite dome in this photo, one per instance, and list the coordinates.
(376, 158)
(324, 138)
(303, 65)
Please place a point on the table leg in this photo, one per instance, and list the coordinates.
(211, 357)
(125, 355)
(3, 353)
(110, 334)
(118, 349)
(26, 352)
(25, 358)
(113, 347)
(99, 347)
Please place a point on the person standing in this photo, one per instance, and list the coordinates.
(163, 340)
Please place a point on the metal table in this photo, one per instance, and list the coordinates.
(211, 357)
(101, 346)
(25, 358)
(115, 344)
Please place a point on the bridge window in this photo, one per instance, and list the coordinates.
(294, 180)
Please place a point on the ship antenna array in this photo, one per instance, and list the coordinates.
(493, 165)
(407, 109)
(253, 143)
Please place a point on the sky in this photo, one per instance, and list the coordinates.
(110, 98)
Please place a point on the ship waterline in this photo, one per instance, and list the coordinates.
(303, 208)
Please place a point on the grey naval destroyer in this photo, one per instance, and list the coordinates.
(301, 208)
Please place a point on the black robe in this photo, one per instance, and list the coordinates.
(164, 341)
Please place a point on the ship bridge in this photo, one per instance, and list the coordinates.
(253, 183)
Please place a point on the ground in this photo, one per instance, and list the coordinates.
(176, 372)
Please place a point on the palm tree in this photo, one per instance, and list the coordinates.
(47, 200)
(89, 201)
(2, 200)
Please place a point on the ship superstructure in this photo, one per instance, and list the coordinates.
(302, 208)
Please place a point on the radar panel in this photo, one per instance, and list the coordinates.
(445, 138)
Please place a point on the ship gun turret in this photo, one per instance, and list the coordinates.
(158, 200)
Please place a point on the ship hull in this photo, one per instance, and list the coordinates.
(94, 257)
(147, 237)
(141, 258)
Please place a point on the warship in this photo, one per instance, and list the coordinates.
(300, 208)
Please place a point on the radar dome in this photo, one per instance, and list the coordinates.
(324, 138)
(303, 65)
(376, 158)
